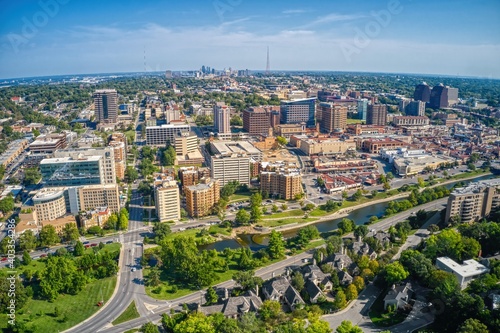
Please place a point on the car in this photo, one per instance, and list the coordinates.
(321, 198)
(269, 201)
(4, 259)
(87, 242)
(93, 244)
(134, 269)
(109, 242)
(43, 255)
(182, 229)
(87, 246)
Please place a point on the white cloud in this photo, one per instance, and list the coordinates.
(333, 17)
(295, 11)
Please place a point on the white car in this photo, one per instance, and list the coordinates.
(134, 269)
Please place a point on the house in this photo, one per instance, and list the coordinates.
(234, 307)
(344, 278)
(362, 248)
(314, 274)
(313, 291)
(279, 289)
(341, 262)
(464, 273)
(383, 237)
(398, 295)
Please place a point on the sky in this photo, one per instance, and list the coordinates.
(52, 37)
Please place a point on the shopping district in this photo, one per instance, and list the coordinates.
(183, 162)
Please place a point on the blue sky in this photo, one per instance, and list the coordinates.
(50, 37)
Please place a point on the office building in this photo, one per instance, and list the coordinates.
(362, 109)
(473, 202)
(235, 147)
(410, 121)
(257, 120)
(298, 111)
(94, 196)
(185, 143)
(333, 117)
(325, 146)
(47, 144)
(283, 184)
(422, 92)
(107, 155)
(377, 115)
(403, 104)
(106, 106)
(50, 204)
(415, 108)
(167, 201)
(201, 198)
(67, 171)
(287, 131)
(230, 167)
(222, 118)
(160, 135)
(443, 97)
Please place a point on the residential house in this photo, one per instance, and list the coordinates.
(280, 289)
(234, 307)
(398, 295)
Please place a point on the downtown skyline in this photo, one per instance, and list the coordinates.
(57, 37)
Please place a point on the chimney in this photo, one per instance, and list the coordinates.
(226, 293)
(314, 262)
(257, 290)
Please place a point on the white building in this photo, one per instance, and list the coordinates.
(465, 273)
(167, 201)
(230, 167)
(160, 135)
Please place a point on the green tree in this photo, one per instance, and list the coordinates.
(31, 176)
(123, 219)
(26, 258)
(359, 283)
(154, 277)
(281, 140)
(472, 325)
(247, 279)
(274, 208)
(79, 249)
(70, 232)
(340, 300)
(196, 322)
(236, 121)
(395, 272)
(347, 327)
(211, 296)
(351, 292)
(149, 328)
(276, 248)
(357, 195)
(48, 236)
(298, 281)
(471, 166)
(242, 217)
(344, 195)
(386, 186)
(346, 226)
(131, 174)
(360, 231)
(7, 204)
(21, 295)
(161, 230)
(420, 182)
(284, 207)
(27, 241)
(270, 311)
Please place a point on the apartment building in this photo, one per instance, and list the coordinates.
(333, 117)
(188, 176)
(475, 201)
(201, 198)
(50, 204)
(222, 118)
(160, 135)
(167, 201)
(410, 121)
(230, 167)
(285, 184)
(94, 196)
(236, 147)
(185, 143)
(377, 115)
(106, 106)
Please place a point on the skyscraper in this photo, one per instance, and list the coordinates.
(377, 115)
(442, 97)
(422, 92)
(334, 117)
(167, 201)
(362, 108)
(106, 107)
(298, 111)
(415, 108)
(221, 118)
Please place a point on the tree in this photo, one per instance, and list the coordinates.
(284, 207)
(276, 248)
(7, 204)
(274, 208)
(395, 272)
(333, 245)
(196, 322)
(472, 325)
(374, 193)
(131, 174)
(161, 230)
(346, 226)
(149, 328)
(211, 296)
(26, 258)
(236, 121)
(112, 222)
(70, 232)
(79, 249)
(242, 217)
(154, 277)
(340, 300)
(359, 283)
(357, 195)
(471, 166)
(247, 279)
(389, 176)
(306, 234)
(347, 327)
(360, 231)
(270, 311)
(20, 296)
(27, 241)
(255, 213)
(386, 186)
(420, 182)
(351, 292)
(298, 281)
(48, 236)
(344, 195)
(31, 176)
(281, 140)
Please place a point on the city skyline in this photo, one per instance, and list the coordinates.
(56, 37)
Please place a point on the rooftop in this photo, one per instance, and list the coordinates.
(467, 269)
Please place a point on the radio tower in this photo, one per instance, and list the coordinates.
(144, 58)
(268, 66)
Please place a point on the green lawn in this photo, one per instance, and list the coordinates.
(240, 197)
(195, 233)
(380, 317)
(276, 223)
(216, 229)
(354, 121)
(288, 213)
(39, 316)
(129, 314)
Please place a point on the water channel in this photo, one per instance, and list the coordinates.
(359, 216)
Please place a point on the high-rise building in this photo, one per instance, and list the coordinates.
(185, 143)
(298, 111)
(362, 108)
(106, 106)
(201, 198)
(415, 108)
(167, 201)
(473, 202)
(188, 176)
(50, 204)
(257, 120)
(160, 135)
(67, 171)
(333, 117)
(94, 196)
(222, 119)
(285, 184)
(403, 104)
(377, 115)
(229, 167)
(443, 96)
(422, 92)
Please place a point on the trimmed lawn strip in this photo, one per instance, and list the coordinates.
(129, 314)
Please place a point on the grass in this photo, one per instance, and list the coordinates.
(38, 315)
(380, 317)
(129, 314)
(354, 121)
(216, 229)
(240, 197)
(277, 223)
(132, 330)
(289, 213)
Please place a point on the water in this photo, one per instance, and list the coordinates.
(359, 216)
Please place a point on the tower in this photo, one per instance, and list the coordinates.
(106, 108)
(268, 65)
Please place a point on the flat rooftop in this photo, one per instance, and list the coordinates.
(61, 160)
(477, 187)
(235, 147)
(467, 269)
